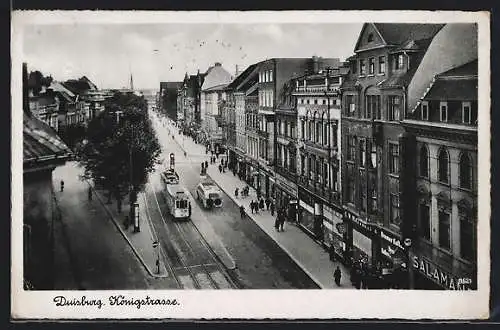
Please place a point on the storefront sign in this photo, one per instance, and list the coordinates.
(393, 240)
(360, 223)
(440, 276)
(309, 208)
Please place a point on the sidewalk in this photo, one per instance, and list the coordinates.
(311, 257)
(140, 242)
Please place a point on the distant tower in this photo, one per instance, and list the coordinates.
(131, 82)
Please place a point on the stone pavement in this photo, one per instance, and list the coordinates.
(141, 242)
(311, 257)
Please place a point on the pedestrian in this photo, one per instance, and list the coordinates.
(242, 211)
(236, 192)
(337, 274)
(282, 221)
(277, 222)
(62, 185)
(220, 168)
(251, 206)
(271, 207)
(206, 164)
(261, 203)
(268, 202)
(189, 209)
(222, 162)
(256, 206)
(90, 194)
(217, 155)
(126, 222)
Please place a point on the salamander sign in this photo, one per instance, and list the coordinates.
(439, 276)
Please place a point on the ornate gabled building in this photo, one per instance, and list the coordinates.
(391, 69)
(444, 126)
(318, 154)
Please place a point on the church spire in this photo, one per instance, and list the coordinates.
(131, 82)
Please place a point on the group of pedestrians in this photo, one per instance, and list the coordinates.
(260, 204)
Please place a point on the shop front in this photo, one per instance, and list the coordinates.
(286, 196)
(392, 262)
(310, 212)
(334, 229)
(361, 239)
(240, 165)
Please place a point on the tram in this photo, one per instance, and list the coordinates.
(177, 200)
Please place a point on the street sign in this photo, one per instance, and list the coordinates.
(155, 244)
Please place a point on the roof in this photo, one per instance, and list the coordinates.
(41, 143)
(468, 69)
(60, 87)
(176, 188)
(463, 90)
(215, 88)
(242, 77)
(397, 33)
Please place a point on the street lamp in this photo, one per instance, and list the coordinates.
(134, 206)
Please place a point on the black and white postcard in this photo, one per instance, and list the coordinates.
(250, 165)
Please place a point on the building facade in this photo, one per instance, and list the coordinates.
(168, 98)
(319, 139)
(392, 66)
(444, 153)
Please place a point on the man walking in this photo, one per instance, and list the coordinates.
(271, 207)
(62, 185)
(337, 274)
(236, 192)
(242, 211)
(268, 202)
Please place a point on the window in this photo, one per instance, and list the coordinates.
(373, 158)
(307, 101)
(399, 61)
(372, 107)
(310, 130)
(425, 111)
(444, 229)
(351, 148)
(381, 64)
(443, 113)
(362, 152)
(371, 65)
(325, 134)
(425, 221)
(354, 67)
(324, 102)
(350, 185)
(325, 174)
(373, 198)
(370, 37)
(443, 164)
(394, 107)
(465, 172)
(302, 165)
(424, 162)
(467, 234)
(315, 101)
(394, 211)
(318, 132)
(466, 113)
(350, 105)
(362, 190)
(393, 158)
(303, 129)
(362, 67)
(271, 75)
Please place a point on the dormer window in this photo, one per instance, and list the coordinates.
(425, 110)
(466, 112)
(370, 37)
(443, 111)
(371, 65)
(399, 61)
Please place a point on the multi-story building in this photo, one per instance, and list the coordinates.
(213, 98)
(252, 133)
(319, 137)
(189, 98)
(237, 91)
(444, 155)
(392, 67)
(168, 98)
(45, 108)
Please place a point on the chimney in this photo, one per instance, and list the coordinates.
(237, 71)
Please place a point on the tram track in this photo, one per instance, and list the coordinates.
(179, 239)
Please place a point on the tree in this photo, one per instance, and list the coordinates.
(119, 154)
(36, 80)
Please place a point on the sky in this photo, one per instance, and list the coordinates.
(107, 54)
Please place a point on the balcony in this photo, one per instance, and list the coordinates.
(316, 89)
(287, 173)
(319, 190)
(263, 134)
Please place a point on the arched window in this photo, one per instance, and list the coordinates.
(443, 166)
(465, 172)
(318, 132)
(424, 162)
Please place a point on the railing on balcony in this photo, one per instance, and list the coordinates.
(288, 173)
(319, 189)
(316, 89)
